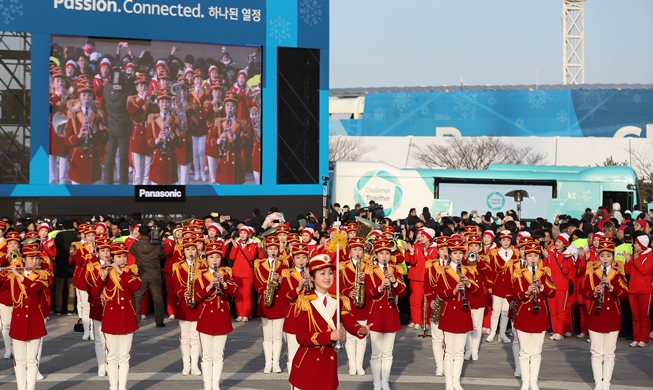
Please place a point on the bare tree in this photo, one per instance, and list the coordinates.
(476, 153)
(342, 148)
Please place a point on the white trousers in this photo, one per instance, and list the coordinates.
(199, 156)
(474, 337)
(84, 311)
(530, 356)
(142, 164)
(602, 347)
(515, 351)
(213, 166)
(272, 343)
(118, 347)
(5, 317)
(500, 308)
(212, 359)
(454, 351)
(189, 339)
(26, 363)
(293, 346)
(100, 345)
(183, 172)
(381, 360)
(355, 348)
(437, 339)
(58, 169)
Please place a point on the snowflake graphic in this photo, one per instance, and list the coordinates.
(279, 29)
(379, 114)
(310, 11)
(11, 11)
(465, 104)
(519, 123)
(491, 101)
(425, 110)
(562, 116)
(401, 101)
(537, 99)
(637, 98)
(592, 101)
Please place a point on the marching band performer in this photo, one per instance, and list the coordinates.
(561, 264)
(425, 249)
(233, 133)
(163, 138)
(116, 287)
(85, 255)
(479, 269)
(243, 253)
(11, 257)
(529, 287)
(93, 274)
(138, 108)
(60, 102)
(271, 308)
(282, 234)
(523, 239)
(499, 260)
(640, 266)
(454, 284)
(184, 273)
(604, 288)
(183, 109)
(315, 366)
(352, 228)
(213, 118)
(350, 280)
(26, 287)
(214, 323)
(431, 276)
(293, 282)
(382, 282)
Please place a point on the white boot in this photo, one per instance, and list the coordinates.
(360, 356)
(21, 377)
(608, 368)
(515, 354)
(7, 340)
(85, 324)
(185, 359)
(217, 372)
(350, 348)
(195, 359)
(101, 357)
(31, 377)
(123, 374)
(457, 372)
(597, 372)
(386, 367)
(277, 345)
(503, 326)
(536, 361)
(91, 332)
(375, 365)
(448, 374)
(523, 366)
(267, 352)
(112, 373)
(207, 373)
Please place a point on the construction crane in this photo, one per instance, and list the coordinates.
(573, 41)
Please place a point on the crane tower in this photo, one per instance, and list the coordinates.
(573, 41)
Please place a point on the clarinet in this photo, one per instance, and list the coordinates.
(217, 286)
(307, 285)
(536, 305)
(462, 292)
(391, 298)
(599, 307)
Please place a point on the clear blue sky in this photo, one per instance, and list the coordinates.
(383, 43)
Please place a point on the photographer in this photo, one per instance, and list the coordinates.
(148, 259)
(116, 93)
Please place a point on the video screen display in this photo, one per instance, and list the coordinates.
(154, 112)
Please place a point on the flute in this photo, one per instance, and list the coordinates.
(20, 268)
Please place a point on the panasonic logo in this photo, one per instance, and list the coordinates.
(160, 194)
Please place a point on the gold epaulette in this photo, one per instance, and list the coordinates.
(546, 270)
(175, 266)
(303, 302)
(368, 268)
(429, 263)
(285, 273)
(227, 270)
(91, 266)
(346, 303)
(257, 262)
(343, 265)
(133, 268)
(619, 267)
(440, 270)
(591, 266)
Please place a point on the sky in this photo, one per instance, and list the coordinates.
(383, 43)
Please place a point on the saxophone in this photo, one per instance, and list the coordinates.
(359, 287)
(190, 286)
(514, 304)
(268, 294)
(435, 316)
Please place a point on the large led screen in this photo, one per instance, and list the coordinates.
(154, 112)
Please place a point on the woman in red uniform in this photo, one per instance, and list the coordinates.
(315, 366)
(116, 287)
(454, 284)
(604, 288)
(244, 252)
(480, 269)
(28, 317)
(12, 257)
(562, 267)
(529, 287)
(214, 323)
(93, 274)
(639, 267)
(293, 282)
(382, 282)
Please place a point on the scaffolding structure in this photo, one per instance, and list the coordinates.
(573, 41)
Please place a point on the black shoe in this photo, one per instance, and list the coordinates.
(160, 325)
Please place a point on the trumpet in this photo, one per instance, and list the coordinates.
(21, 268)
(536, 305)
(217, 286)
(472, 258)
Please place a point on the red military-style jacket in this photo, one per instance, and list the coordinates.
(85, 158)
(28, 315)
(57, 143)
(164, 160)
(174, 253)
(383, 315)
(117, 291)
(279, 308)
(499, 270)
(290, 279)
(92, 277)
(609, 319)
(215, 316)
(431, 276)
(315, 365)
(527, 319)
(83, 257)
(453, 318)
(180, 272)
(138, 111)
(347, 284)
(5, 294)
(480, 273)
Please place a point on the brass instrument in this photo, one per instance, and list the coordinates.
(202, 256)
(307, 286)
(462, 292)
(270, 289)
(391, 298)
(20, 268)
(359, 286)
(435, 316)
(424, 325)
(515, 303)
(87, 136)
(599, 307)
(180, 111)
(219, 105)
(165, 130)
(536, 305)
(59, 124)
(364, 230)
(152, 99)
(190, 285)
(14, 256)
(472, 258)
(222, 141)
(217, 286)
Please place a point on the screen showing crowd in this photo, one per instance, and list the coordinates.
(154, 112)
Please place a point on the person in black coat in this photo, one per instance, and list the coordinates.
(63, 274)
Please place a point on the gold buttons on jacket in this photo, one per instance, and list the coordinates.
(331, 357)
(318, 359)
(122, 307)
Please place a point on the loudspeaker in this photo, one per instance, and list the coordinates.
(298, 113)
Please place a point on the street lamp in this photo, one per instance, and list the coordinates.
(518, 196)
